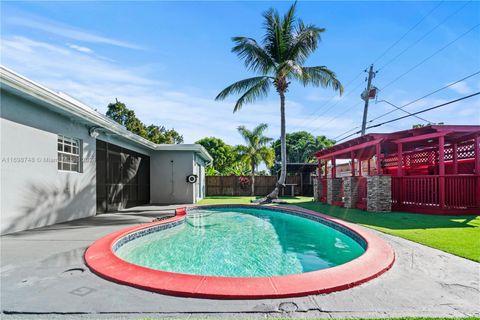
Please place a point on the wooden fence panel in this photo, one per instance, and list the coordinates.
(231, 186)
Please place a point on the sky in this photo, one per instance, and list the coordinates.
(168, 61)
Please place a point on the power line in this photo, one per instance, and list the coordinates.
(428, 109)
(415, 113)
(412, 102)
(424, 36)
(428, 95)
(335, 117)
(398, 55)
(330, 100)
(406, 33)
(330, 108)
(430, 56)
(404, 111)
(378, 58)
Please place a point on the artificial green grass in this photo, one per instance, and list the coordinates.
(247, 200)
(458, 235)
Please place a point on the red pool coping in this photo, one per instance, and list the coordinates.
(377, 259)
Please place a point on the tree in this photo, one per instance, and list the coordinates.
(158, 134)
(223, 155)
(119, 112)
(301, 148)
(256, 150)
(277, 60)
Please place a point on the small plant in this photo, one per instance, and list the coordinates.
(244, 182)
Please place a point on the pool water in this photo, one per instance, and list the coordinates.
(242, 242)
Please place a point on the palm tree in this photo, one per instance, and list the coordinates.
(256, 150)
(278, 59)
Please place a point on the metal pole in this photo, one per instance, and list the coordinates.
(371, 74)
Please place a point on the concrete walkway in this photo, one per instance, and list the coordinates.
(43, 276)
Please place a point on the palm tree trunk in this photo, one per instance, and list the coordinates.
(283, 150)
(253, 180)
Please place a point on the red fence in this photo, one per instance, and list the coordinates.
(425, 193)
(460, 191)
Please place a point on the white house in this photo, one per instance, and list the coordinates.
(61, 160)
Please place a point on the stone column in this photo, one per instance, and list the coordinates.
(316, 188)
(350, 191)
(379, 193)
(334, 186)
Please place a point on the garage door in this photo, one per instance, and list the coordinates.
(123, 177)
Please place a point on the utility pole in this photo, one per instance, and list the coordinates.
(366, 96)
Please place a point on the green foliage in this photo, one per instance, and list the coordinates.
(119, 112)
(278, 59)
(262, 173)
(238, 160)
(421, 125)
(255, 150)
(224, 156)
(240, 168)
(301, 146)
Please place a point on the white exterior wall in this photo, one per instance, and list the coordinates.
(168, 174)
(199, 170)
(33, 192)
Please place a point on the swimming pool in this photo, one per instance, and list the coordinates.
(241, 252)
(243, 242)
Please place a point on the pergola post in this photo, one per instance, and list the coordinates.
(377, 155)
(352, 158)
(441, 164)
(455, 158)
(400, 159)
(334, 168)
(325, 173)
(477, 167)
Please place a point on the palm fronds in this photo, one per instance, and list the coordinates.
(254, 56)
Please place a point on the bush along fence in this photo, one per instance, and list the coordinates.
(240, 186)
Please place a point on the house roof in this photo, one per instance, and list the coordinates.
(69, 106)
(364, 146)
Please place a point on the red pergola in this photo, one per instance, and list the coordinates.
(434, 169)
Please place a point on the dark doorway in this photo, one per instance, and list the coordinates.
(123, 177)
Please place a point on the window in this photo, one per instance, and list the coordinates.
(68, 154)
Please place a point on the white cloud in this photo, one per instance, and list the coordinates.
(37, 23)
(97, 82)
(461, 88)
(80, 48)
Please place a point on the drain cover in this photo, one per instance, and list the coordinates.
(288, 307)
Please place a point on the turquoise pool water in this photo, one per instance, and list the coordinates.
(242, 242)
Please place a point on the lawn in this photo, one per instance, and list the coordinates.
(459, 235)
(246, 200)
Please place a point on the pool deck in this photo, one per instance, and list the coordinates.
(43, 276)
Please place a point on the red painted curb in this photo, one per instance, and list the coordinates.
(377, 259)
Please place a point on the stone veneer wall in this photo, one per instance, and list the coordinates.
(379, 193)
(334, 186)
(350, 191)
(317, 188)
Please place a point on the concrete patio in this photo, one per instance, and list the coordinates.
(43, 276)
